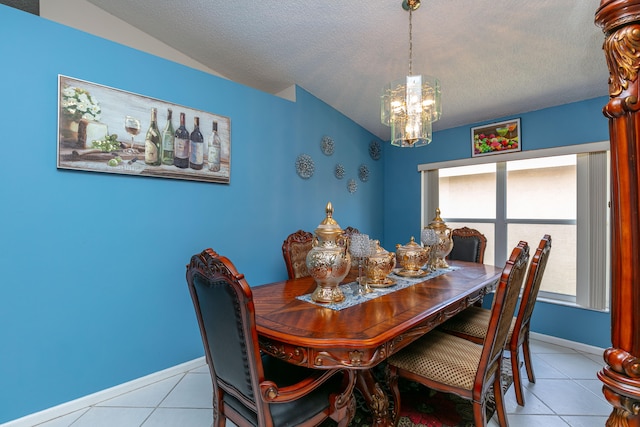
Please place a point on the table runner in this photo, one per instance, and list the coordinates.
(352, 298)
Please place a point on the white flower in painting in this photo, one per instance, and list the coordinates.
(77, 103)
(69, 92)
(83, 98)
(82, 107)
(68, 103)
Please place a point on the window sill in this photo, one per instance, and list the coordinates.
(569, 304)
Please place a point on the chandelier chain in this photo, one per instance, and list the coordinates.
(410, 44)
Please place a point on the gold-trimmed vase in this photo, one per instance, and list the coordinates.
(328, 261)
(445, 243)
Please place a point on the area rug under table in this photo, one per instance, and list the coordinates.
(423, 407)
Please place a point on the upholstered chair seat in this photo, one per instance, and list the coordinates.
(441, 357)
(473, 322)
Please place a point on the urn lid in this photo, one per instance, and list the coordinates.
(410, 247)
(437, 223)
(377, 250)
(328, 229)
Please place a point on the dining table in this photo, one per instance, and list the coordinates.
(362, 332)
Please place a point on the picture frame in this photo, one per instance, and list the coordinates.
(496, 138)
(93, 135)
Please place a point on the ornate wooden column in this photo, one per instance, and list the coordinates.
(620, 21)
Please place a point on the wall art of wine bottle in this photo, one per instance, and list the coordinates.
(104, 129)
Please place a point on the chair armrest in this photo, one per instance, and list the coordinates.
(271, 393)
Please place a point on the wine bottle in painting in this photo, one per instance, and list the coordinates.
(214, 149)
(152, 143)
(168, 136)
(181, 150)
(196, 149)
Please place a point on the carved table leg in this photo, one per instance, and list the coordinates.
(621, 389)
(376, 398)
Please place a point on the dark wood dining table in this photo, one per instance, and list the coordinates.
(361, 336)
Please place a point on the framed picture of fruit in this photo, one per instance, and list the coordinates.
(496, 138)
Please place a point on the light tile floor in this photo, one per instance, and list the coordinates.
(566, 393)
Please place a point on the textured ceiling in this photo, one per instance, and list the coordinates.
(493, 57)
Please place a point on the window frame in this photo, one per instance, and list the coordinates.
(592, 284)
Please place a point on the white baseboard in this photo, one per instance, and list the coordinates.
(95, 398)
(567, 343)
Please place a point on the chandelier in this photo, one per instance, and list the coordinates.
(411, 104)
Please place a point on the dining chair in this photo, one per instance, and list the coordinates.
(473, 322)
(469, 244)
(251, 388)
(451, 364)
(294, 250)
(350, 230)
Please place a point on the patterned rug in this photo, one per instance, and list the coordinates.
(423, 407)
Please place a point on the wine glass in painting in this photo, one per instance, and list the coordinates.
(132, 126)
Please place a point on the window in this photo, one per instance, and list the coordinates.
(562, 192)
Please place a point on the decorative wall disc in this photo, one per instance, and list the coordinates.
(305, 166)
(363, 173)
(339, 171)
(327, 145)
(375, 151)
(352, 186)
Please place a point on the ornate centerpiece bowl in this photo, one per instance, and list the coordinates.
(411, 257)
(328, 261)
(378, 266)
(444, 244)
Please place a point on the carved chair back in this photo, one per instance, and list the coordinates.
(468, 245)
(294, 250)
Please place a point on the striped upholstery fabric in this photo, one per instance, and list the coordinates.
(441, 357)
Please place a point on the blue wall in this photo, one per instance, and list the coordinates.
(92, 287)
(569, 124)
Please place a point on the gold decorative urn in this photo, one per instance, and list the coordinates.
(444, 244)
(411, 257)
(378, 265)
(328, 261)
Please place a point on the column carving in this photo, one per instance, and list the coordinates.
(620, 21)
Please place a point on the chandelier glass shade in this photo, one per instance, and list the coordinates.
(410, 105)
